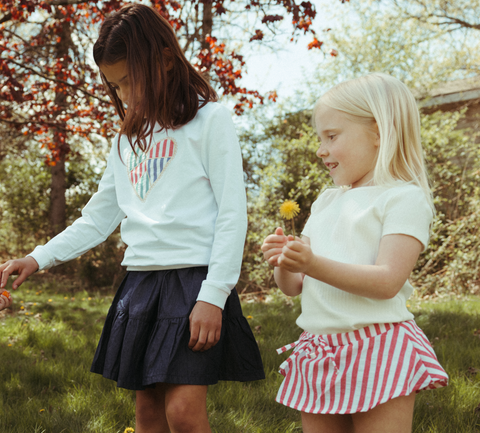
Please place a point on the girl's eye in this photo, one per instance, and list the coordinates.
(331, 137)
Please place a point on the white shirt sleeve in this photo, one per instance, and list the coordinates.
(408, 212)
(99, 219)
(222, 159)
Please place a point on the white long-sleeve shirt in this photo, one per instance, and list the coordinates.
(181, 204)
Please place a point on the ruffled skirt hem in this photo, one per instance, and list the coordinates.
(146, 334)
(356, 371)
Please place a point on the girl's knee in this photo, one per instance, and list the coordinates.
(186, 410)
(183, 418)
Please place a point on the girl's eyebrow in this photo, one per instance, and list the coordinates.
(326, 130)
(121, 79)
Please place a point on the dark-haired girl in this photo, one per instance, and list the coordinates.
(174, 181)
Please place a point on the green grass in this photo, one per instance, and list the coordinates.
(47, 346)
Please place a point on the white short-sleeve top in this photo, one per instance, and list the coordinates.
(347, 226)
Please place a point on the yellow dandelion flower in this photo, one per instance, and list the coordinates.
(289, 209)
(6, 293)
(50, 300)
(89, 298)
(129, 430)
(249, 317)
(42, 410)
(22, 308)
(65, 297)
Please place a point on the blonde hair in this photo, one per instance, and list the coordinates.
(386, 101)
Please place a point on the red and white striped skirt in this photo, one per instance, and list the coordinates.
(355, 371)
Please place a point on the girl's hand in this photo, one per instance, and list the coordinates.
(272, 246)
(205, 326)
(5, 300)
(21, 267)
(297, 256)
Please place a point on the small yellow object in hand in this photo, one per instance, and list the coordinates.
(289, 210)
(129, 430)
(6, 293)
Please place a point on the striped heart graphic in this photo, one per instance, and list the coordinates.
(146, 168)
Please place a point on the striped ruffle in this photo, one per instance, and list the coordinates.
(355, 371)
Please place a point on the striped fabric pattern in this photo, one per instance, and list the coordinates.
(355, 371)
(146, 168)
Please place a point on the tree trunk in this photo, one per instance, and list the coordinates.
(207, 22)
(60, 147)
(57, 197)
(207, 25)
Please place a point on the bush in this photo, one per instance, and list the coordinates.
(291, 170)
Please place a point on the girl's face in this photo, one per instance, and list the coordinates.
(117, 77)
(348, 149)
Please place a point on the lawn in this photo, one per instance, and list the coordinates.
(48, 339)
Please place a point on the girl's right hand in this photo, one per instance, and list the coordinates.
(272, 246)
(21, 267)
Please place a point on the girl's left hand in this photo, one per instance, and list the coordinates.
(5, 299)
(205, 326)
(297, 256)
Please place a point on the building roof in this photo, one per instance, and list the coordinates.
(453, 91)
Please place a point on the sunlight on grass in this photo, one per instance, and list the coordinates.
(48, 346)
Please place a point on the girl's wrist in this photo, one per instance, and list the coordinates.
(313, 265)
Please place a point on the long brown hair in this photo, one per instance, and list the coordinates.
(139, 35)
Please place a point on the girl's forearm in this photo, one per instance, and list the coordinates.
(371, 281)
(288, 282)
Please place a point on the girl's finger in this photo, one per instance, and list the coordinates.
(294, 246)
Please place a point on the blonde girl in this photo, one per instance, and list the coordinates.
(361, 358)
(174, 181)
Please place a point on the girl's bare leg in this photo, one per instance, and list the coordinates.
(394, 416)
(170, 408)
(320, 423)
(150, 411)
(186, 408)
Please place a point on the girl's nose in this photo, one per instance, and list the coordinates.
(322, 151)
(121, 94)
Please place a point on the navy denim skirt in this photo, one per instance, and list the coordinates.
(146, 334)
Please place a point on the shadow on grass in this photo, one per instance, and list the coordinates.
(453, 328)
(46, 386)
(47, 345)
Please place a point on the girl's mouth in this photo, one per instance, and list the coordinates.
(331, 165)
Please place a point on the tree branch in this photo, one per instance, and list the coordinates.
(435, 14)
(55, 125)
(55, 80)
(6, 18)
(67, 2)
(453, 20)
